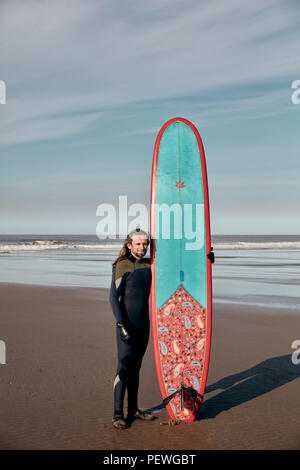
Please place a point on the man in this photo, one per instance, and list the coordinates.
(129, 298)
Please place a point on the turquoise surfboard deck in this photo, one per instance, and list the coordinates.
(181, 272)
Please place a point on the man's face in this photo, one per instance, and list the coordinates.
(138, 247)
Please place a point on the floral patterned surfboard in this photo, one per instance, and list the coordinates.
(181, 294)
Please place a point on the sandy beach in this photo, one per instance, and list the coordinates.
(56, 385)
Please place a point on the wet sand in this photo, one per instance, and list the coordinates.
(56, 385)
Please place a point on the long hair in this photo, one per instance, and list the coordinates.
(125, 251)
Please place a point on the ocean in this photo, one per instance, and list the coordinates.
(254, 270)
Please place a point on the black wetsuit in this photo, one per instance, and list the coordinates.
(129, 298)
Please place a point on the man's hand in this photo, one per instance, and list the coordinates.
(211, 256)
(126, 333)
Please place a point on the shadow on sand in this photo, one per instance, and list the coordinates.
(245, 386)
(251, 383)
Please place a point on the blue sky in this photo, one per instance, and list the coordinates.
(90, 83)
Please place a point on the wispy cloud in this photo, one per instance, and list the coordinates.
(85, 58)
(46, 128)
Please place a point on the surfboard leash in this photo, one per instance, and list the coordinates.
(190, 391)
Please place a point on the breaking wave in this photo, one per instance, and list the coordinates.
(39, 245)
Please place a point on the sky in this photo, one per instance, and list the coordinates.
(90, 83)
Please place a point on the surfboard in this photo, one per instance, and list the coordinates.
(181, 290)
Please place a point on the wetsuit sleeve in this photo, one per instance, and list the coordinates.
(114, 296)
